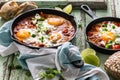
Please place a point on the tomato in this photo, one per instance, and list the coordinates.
(116, 47)
(41, 45)
(65, 30)
(55, 21)
(108, 36)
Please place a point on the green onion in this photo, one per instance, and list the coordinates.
(42, 19)
(41, 39)
(113, 27)
(49, 73)
(104, 29)
(33, 35)
(116, 42)
(39, 25)
(107, 46)
(38, 31)
(109, 41)
(117, 35)
(79, 25)
(104, 25)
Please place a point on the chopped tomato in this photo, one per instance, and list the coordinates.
(41, 45)
(65, 30)
(116, 47)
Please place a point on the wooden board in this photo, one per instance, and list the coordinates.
(19, 74)
(94, 4)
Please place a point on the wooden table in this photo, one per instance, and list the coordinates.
(7, 72)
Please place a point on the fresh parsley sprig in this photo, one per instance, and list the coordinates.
(49, 73)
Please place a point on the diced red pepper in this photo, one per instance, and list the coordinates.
(65, 30)
(41, 45)
(116, 47)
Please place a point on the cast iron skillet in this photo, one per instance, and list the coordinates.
(78, 63)
(46, 11)
(96, 20)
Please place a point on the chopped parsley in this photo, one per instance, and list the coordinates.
(41, 39)
(113, 27)
(79, 25)
(42, 19)
(49, 74)
(107, 46)
(104, 25)
(104, 29)
(33, 35)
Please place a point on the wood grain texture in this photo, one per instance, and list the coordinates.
(3, 67)
(117, 8)
(94, 4)
(80, 17)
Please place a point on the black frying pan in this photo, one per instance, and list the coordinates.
(78, 63)
(96, 20)
(46, 11)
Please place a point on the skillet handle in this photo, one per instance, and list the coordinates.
(86, 9)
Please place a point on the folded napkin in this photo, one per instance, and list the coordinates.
(65, 58)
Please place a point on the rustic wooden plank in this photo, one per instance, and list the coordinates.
(3, 60)
(81, 41)
(15, 74)
(2, 21)
(18, 74)
(113, 8)
(117, 6)
(94, 4)
(9, 66)
(76, 14)
(3, 66)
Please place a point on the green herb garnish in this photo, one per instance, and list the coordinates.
(113, 27)
(42, 19)
(41, 39)
(104, 25)
(79, 25)
(49, 73)
(117, 35)
(38, 31)
(104, 29)
(107, 46)
(116, 42)
(33, 35)
(109, 41)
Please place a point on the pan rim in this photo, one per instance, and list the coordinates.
(108, 18)
(40, 9)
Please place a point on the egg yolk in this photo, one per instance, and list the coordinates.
(108, 36)
(55, 37)
(22, 34)
(55, 21)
